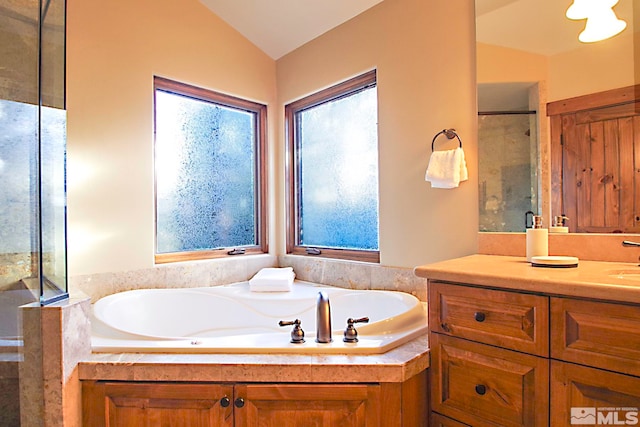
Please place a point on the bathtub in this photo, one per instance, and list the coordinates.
(232, 319)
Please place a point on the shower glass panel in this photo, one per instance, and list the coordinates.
(52, 153)
(508, 167)
(32, 158)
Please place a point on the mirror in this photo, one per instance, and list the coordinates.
(528, 55)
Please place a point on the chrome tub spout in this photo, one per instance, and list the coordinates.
(323, 319)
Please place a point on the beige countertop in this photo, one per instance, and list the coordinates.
(591, 279)
(396, 365)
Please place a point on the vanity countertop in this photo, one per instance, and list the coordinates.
(591, 279)
(396, 365)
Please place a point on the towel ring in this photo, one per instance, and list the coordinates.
(449, 133)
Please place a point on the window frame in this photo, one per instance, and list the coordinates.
(292, 176)
(260, 145)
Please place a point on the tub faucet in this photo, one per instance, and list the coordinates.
(323, 319)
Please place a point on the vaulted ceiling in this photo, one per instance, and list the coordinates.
(279, 26)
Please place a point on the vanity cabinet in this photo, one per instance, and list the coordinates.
(486, 347)
(509, 358)
(112, 404)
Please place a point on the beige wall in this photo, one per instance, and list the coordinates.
(596, 67)
(426, 82)
(497, 64)
(426, 75)
(114, 49)
(591, 68)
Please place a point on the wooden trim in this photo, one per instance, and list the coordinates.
(292, 161)
(354, 255)
(200, 255)
(338, 91)
(261, 190)
(556, 165)
(595, 100)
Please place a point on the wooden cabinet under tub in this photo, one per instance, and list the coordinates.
(511, 358)
(112, 403)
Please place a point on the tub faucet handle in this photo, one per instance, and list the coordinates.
(350, 334)
(297, 334)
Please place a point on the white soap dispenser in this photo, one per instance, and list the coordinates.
(537, 239)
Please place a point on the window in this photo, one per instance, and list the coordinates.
(209, 173)
(332, 172)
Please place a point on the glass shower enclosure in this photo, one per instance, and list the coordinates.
(33, 261)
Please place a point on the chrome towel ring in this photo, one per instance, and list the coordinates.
(449, 133)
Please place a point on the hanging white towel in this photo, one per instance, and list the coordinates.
(272, 280)
(447, 168)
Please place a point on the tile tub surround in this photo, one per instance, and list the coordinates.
(591, 279)
(339, 273)
(355, 275)
(56, 337)
(396, 365)
(214, 272)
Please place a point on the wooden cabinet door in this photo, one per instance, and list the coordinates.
(302, 405)
(583, 395)
(486, 386)
(112, 404)
(595, 146)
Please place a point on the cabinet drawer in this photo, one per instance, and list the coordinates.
(482, 385)
(506, 319)
(603, 335)
(578, 393)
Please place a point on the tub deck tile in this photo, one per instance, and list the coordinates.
(396, 365)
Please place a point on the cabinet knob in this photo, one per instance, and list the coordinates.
(239, 402)
(225, 402)
(479, 316)
(481, 389)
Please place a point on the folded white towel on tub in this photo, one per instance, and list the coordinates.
(272, 280)
(447, 168)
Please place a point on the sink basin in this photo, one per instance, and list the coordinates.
(626, 274)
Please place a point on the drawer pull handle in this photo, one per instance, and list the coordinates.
(225, 402)
(479, 316)
(481, 389)
(239, 403)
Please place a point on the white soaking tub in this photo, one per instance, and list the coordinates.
(232, 319)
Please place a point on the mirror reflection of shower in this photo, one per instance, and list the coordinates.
(507, 156)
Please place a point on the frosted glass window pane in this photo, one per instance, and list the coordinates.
(205, 175)
(338, 145)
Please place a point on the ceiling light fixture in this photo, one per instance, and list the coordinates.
(602, 22)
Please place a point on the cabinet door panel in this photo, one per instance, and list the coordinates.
(596, 333)
(578, 392)
(506, 319)
(296, 405)
(486, 386)
(156, 404)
